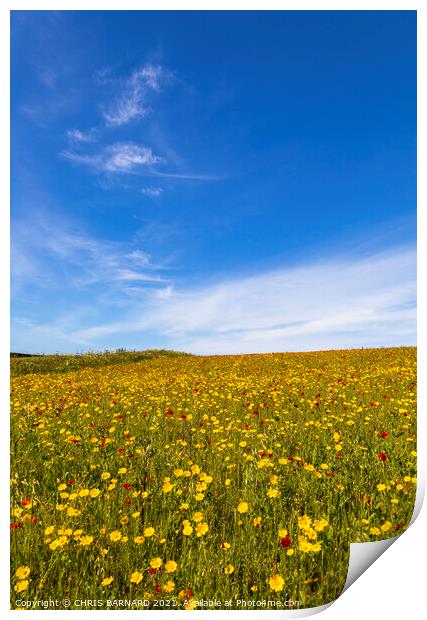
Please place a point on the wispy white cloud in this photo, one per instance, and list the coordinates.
(342, 303)
(47, 251)
(75, 135)
(121, 157)
(153, 192)
(131, 103)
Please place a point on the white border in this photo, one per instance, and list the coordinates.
(393, 586)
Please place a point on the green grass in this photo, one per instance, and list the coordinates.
(23, 364)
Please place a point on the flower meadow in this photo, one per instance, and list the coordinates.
(182, 479)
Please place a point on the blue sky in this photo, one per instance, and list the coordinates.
(215, 182)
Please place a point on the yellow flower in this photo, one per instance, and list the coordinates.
(290, 552)
(257, 521)
(107, 581)
(170, 566)
(199, 496)
(167, 486)
(201, 529)
(187, 529)
(156, 562)
(94, 492)
(184, 506)
(191, 604)
(84, 492)
(273, 492)
(197, 517)
(105, 475)
(22, 572)
(375, 531)
(138, 540)
(381, 487)
(242, 507)
(276, 582)
(386, 526)
(169, 586)
(73, 512)
(115, 536)
(122, 470)
(320, 524)
(304, 522)
(21, 586)
(283, 532)
(86, 540)
(136, 577)
(229, 569)
(149, 531)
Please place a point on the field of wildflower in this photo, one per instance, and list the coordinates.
(183, 479)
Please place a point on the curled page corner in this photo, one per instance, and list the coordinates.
(363, 555)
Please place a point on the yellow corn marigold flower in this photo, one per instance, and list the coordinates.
(85, 540)
(199, 496)
(320, 524)
(21, 586)
(273, 493)
(304, 522)
(122, 470)
(167, 486)
(386, 526)
(170, 566)
(94, 492)
(49, 530)
(149, 531)
(73, 512)
(375, 531)
(283, 532)
(242, 507)
(276, 582)
(381, 487)
(136, 577)
(197, 517)
(22, 572)
(156, 562)
(201, 529)
(187, 530)
(290, 552)
(107, 581)
(138, 540)
(169, 586)
(229, 569)
(115, 536)
(105, 475)
(191, 604)
(84, 492)
(257, 521)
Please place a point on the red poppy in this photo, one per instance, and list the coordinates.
(285, 541)
(383, 457)
(384, 434)
(127, 486)
(25, 501)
